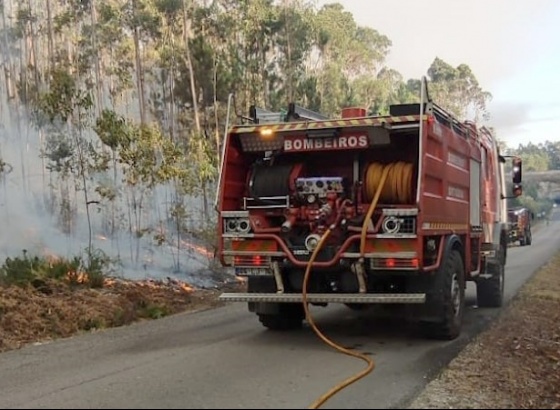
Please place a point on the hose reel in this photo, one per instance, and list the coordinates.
(398, 188)
(273, 180)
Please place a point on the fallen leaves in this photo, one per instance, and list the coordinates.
(513, 364)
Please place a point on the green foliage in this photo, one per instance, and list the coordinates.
(153, 311)
(537, 158)
(540, 157)
(150, 158)
(63, 98)
(113, 130)
(28, 270)
(457, 89)
(59, 151)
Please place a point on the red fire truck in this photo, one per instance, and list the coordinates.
(401, 209)
(519, 219)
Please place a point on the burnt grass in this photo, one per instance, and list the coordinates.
(59, 310)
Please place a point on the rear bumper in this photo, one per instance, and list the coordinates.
(380, 298)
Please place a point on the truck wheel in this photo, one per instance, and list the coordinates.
(522, 242)
(289, 317)
(358, 307)
(490, 292)
(449, 300)
(274, 316)
(529, 237)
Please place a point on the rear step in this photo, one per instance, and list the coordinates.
(415, 298)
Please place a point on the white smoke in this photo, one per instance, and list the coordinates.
(28, 224)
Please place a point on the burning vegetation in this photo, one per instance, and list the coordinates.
(48, 297)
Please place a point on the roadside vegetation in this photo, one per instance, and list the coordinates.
(515, 364)
(47, 298)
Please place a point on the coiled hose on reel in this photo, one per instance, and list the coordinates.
(389, 183)
(398, 188)
(268, 181)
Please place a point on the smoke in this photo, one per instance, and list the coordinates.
(30, 215)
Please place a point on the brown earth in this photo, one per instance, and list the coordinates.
(515, 363)
(59, 309)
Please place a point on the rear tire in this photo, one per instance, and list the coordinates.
(275, 316)
(357, 307)
(490, 292)
(289, 317)
(529, 237)
(449, 300)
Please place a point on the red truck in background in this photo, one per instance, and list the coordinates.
(519, 219)
(401, 209)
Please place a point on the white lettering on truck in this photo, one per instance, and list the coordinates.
(292, 144)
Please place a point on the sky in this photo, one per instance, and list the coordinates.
(512, 47)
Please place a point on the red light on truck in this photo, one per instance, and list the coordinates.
(248, 260)
(395, 263)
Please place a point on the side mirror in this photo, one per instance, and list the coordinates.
(517, 170)
(517, 173)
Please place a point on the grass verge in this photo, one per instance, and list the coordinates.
(515, 363)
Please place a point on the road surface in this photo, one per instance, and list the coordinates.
(223, 358)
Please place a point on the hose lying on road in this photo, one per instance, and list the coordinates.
(399, 176)
(321, 400)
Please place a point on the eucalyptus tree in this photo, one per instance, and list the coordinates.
(348, 53)
(457, 89)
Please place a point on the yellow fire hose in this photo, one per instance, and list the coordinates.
(393, 182)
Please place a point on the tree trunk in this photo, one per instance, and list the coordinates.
(139, 71)
(50, 40)
(188, 58)
(98, 78)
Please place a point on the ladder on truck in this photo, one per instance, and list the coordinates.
(294, 113)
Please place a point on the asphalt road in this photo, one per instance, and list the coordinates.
(223, 358)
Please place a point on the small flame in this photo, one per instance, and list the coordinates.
(199, 249)
(83, 278)
(78, 277)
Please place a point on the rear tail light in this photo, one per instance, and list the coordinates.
(393, 263)
(250, 260)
